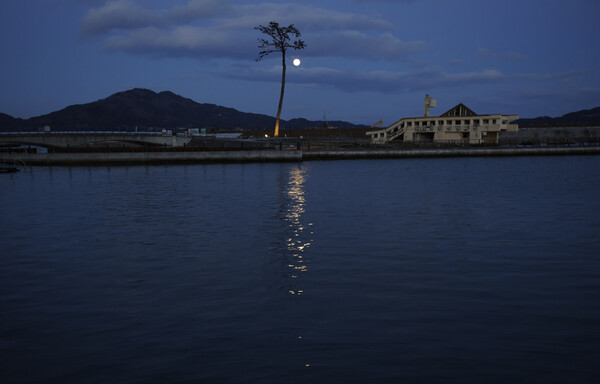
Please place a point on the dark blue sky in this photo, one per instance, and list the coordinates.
(365, 59)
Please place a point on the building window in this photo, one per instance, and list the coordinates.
(448, 122)
(476, 121)
(402, 125)
(457, 122)
(432, 123)
(409, 124)
(494, 121)
(486, 121)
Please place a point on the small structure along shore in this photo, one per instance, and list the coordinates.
(458, 125)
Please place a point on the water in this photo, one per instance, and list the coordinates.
(466, 270)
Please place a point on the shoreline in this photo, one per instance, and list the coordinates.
(454, 152)
(240, 156)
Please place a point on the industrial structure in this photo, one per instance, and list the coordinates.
(459, 125)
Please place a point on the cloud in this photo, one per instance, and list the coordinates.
(482, 52)
(353, 44)
(306, 16)
(350, 80)
(456, 62)
(219, 42)
(560, 76)
(515, 56)
(199, 9)
(181, 41)
(385, 1)
(87, 2)
(509, 56)
(126, 14)
(120, 14)
(213, 28)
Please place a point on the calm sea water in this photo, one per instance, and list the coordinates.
(467, 270)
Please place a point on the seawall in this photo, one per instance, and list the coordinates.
(452, 152)
(123, 158)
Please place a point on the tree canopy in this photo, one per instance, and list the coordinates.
(279, 39)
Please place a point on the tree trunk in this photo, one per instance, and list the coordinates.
(280, 97)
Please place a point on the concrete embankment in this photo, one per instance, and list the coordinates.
(454, 152)
(121, 158)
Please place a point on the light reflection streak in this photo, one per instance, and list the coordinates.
(299, 239)
(296, 238)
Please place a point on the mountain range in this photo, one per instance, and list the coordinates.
(583, 117)
(146, 109)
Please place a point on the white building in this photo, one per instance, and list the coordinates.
(458, 125)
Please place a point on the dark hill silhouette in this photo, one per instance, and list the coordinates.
(583, 117)
(8, 123)
(147, 109)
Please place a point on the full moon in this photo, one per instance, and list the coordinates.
(296, 62)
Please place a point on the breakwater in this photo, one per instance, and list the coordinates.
(118, 158)
(447, 152)
(122, 158)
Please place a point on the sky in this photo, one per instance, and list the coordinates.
(364, 60)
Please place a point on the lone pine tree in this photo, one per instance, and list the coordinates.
(278, 41)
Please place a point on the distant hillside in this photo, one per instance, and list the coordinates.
(583, 117)
(147, 109)
(8, 122)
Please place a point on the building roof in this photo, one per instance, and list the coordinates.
(459, 110)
